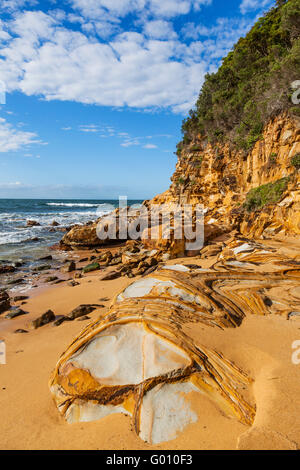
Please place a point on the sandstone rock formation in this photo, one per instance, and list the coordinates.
(220, 178)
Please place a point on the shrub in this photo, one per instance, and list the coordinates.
(296, 161)
(252, 84)
(269, 193)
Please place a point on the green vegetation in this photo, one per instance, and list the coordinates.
(296, 161)
(253, 83)
(180, 181)
(273, 157)
(266, 194)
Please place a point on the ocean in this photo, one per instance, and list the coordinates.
(18, 242)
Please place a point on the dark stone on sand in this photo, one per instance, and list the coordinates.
(81, 311)
(44, 319)
(16, 281)
(43, 267)
(4, 301)
(46, 258)
(110, 276)
(59, 319)
(73, 283)
(91, 267)
(51, 279)
(20, 331)
(19, 298)
(70, 266)
(15, 313)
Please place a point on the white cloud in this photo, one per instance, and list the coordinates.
(252, 5)
(112, 9)
(13, 5)
(159, 29)
(150, 146)
(88, 128)
(150, 68)
(12, 139)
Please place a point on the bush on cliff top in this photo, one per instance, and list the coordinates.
(266, 194)
(253, 83)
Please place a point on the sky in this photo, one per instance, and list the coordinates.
(93, 92)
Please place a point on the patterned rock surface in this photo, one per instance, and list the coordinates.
(139, 360)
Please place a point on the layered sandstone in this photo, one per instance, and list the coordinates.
(220, 177)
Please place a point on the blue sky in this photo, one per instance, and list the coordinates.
(96, 90)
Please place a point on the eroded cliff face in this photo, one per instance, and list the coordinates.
(220, 178)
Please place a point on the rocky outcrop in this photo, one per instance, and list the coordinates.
(220, 178)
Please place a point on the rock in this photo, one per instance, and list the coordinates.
(81, 311)
(44, 319)
(115, 261)
(110, 276)
(73, 283)
(18, 264)
(55, 224)
(141, 326)
(82, 236)
(91, 267)
(70, 266)
(59, 319)
(46, 258)
(20, 331)
(16, 281)
(104, 299)
(83, 260)
(59, 281)
(51, 279)
(32, 223)
(92, 258)
(43, 267)
(83, 318)
(6, 269)
(15, 313)
(4, 301)
(78, 276)
(19, 298)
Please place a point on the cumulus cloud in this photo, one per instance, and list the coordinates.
(149, 67)
(112, 9)
(159, 29)
(12, 139)
(252, 5)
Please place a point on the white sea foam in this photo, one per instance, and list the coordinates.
(71, 204)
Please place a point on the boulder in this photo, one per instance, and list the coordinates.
(15, 313)
(43, 267)
(6, 269)
(44, 319)
(81, 311)
(4, 301)
(33, 223)
(69, 267)
(91, 267)
(19, 298)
